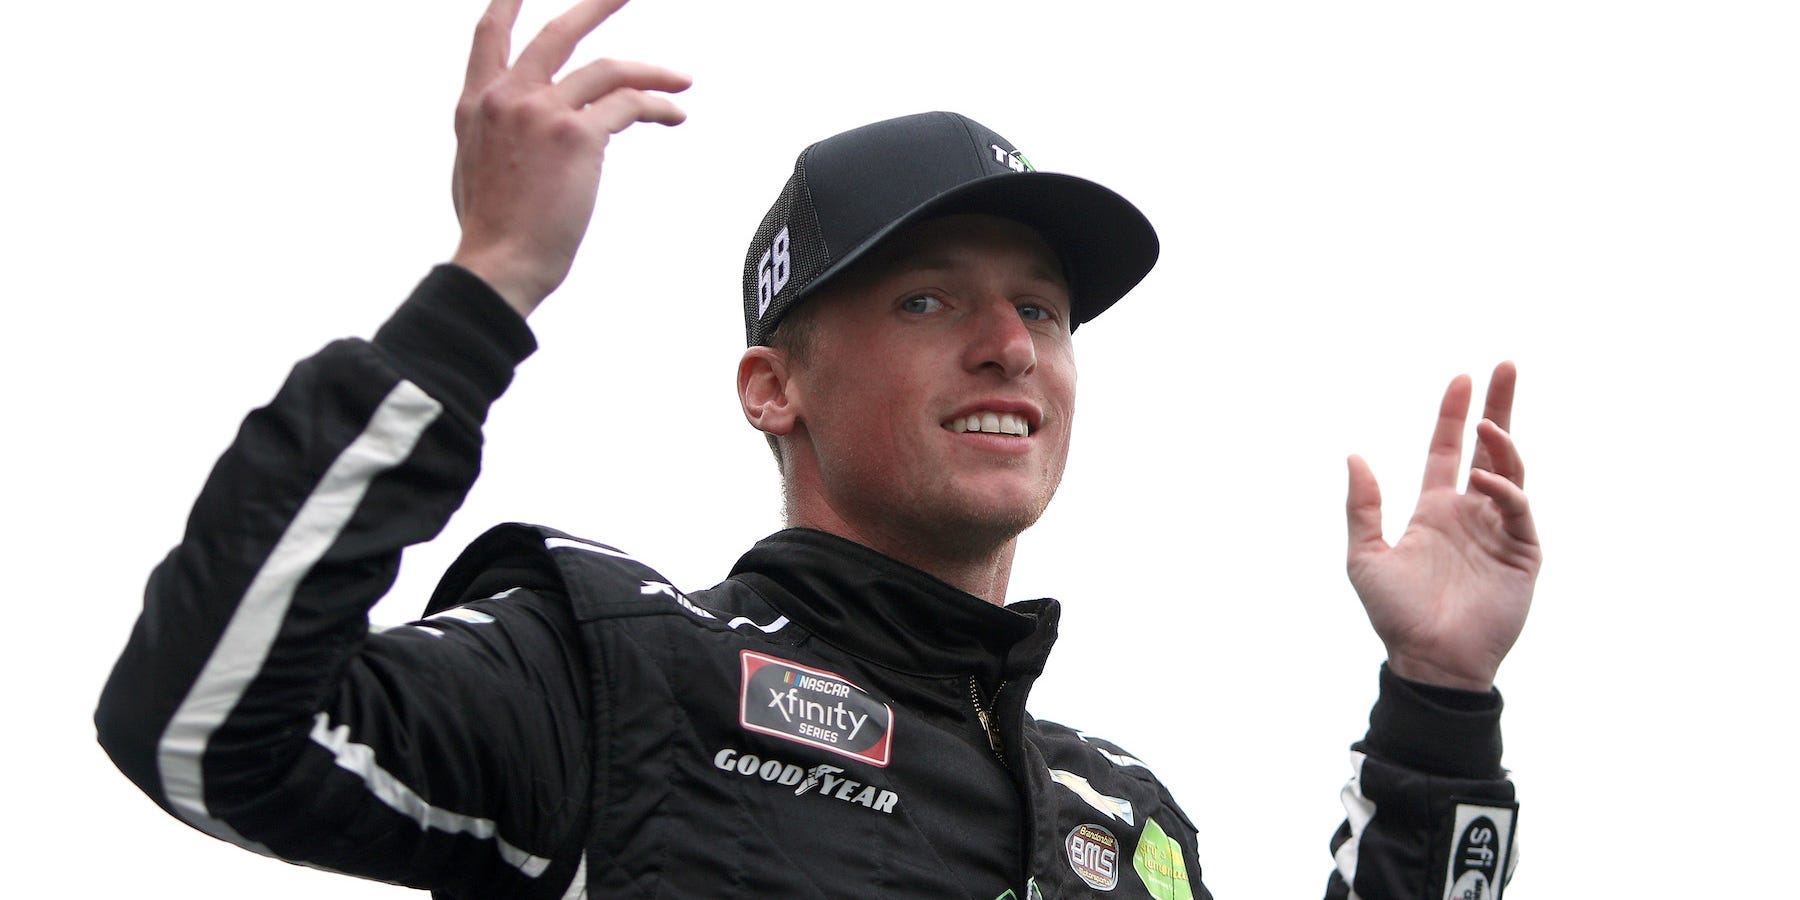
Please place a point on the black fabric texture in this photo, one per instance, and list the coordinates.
(458, 340)
(1436, 729)
(881, 609)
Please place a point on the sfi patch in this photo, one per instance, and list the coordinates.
(1160, 865)
(814, 707)
(1478, 859)
(1094, 855)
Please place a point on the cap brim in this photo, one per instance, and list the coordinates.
(1106, 246)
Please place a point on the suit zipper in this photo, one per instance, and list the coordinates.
(989, 715)
(989, 718)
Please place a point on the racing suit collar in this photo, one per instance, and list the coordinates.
(890, 613)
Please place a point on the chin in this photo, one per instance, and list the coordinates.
(993, 520)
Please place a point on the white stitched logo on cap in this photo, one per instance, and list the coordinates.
(772, 272)
(1012, 159)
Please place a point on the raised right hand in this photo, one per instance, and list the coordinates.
(1450, 597)
(529, 147)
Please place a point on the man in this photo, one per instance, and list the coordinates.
(845, 715)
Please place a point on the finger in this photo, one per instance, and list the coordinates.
(1500, 395)
(551, 48)
(1500, 453)
(1362, 509)
(1444, 460)
(1497, 407)
(618, 110)
(1515, 509)
(603, 76)
(493, 43)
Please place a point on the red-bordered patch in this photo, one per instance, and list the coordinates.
(1094, 855)
(814, 707)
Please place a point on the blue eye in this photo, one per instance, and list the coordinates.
(1033, 313)
(921, 304)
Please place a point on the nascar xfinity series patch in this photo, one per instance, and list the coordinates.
(814, 707)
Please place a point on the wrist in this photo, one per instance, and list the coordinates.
(1426, 672)
(457, 339)
(511, 281)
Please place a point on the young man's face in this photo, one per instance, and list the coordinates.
(958, 320)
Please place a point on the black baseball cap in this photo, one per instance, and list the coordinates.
(851, 191)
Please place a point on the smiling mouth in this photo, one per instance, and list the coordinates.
(990, 423)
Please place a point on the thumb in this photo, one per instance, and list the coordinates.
(1362, 509)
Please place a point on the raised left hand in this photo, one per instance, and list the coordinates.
(1450, 597)
(529, 145)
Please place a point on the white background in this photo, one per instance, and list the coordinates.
(1356, 202)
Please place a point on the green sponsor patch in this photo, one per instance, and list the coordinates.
(1158, 862)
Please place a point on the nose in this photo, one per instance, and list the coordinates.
(1000, 341)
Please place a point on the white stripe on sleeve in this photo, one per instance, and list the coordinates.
(1359, 810)
(556, 543)
(359, 760)
(243, 648)
(578, 885)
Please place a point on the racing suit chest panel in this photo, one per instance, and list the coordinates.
(736, 766)
(738, 753)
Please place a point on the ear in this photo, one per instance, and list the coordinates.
(762, 381)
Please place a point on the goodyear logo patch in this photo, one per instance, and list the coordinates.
(828, 779)
(810, 706)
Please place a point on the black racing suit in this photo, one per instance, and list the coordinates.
(825, 723)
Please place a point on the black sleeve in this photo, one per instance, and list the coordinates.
(253, 703)
(1430, 812)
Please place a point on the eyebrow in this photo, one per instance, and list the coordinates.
(942, 263)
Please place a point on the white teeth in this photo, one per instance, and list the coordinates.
(990, 423)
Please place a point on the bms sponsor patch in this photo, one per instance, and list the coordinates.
(1159, 865)
(813, 707)
(1094, 855)
(1478, 858)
